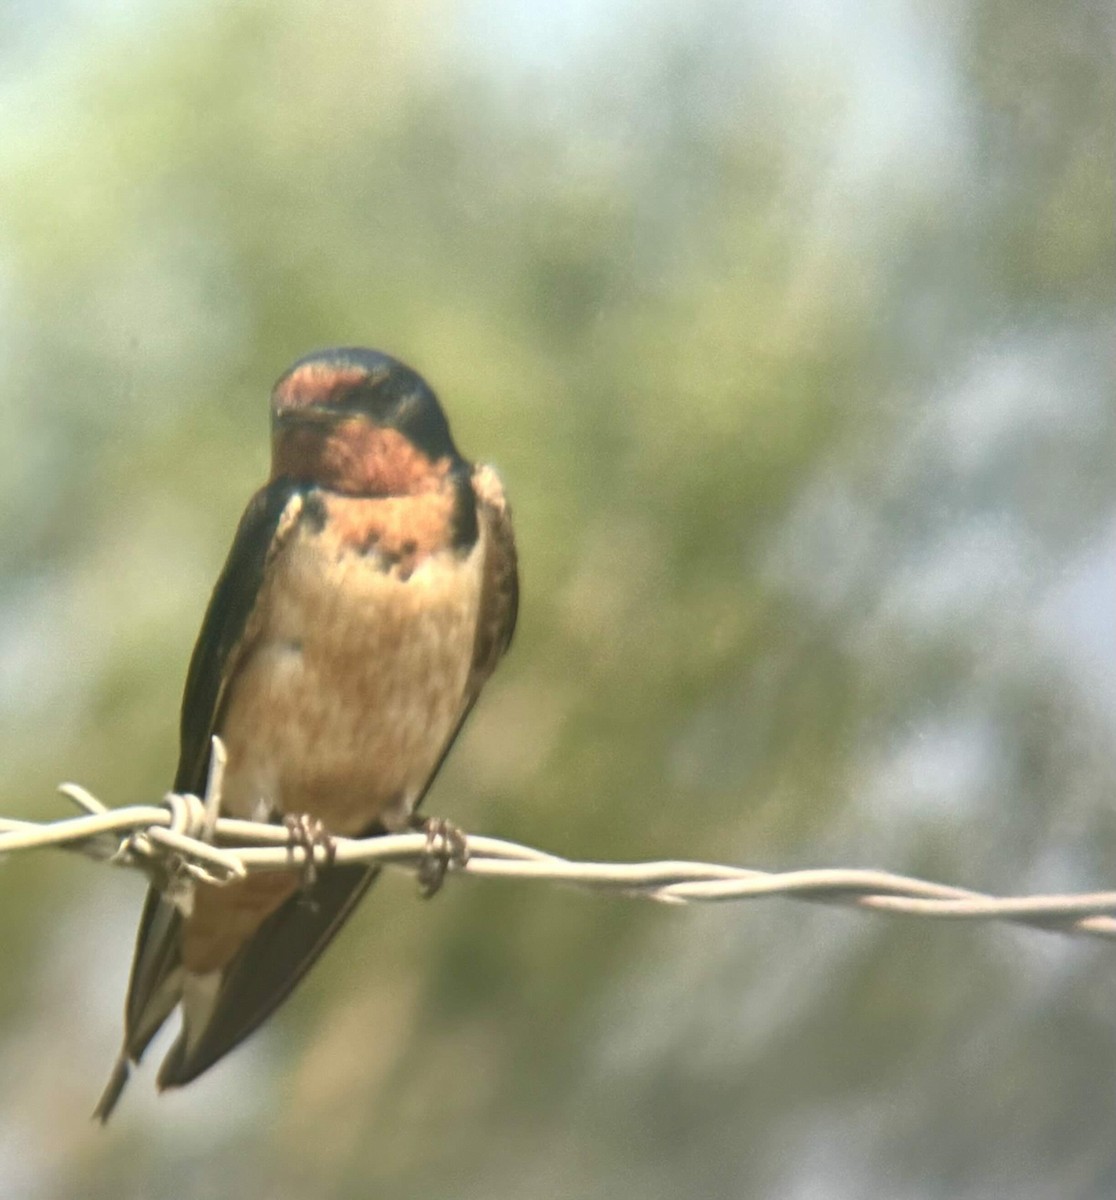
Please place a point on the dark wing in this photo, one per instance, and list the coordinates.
(151, 991)
(269, 515)
(290, 941)
(267, 968)
(500, 593)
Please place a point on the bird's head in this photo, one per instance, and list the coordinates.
(359, 422)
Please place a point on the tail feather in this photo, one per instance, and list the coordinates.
(113, 1089)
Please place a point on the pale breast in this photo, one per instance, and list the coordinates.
(355, 676)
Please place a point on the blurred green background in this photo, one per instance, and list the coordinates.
(790, 330)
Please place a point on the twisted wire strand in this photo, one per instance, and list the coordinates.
(184, 838)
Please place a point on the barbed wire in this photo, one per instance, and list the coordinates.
(185, 839)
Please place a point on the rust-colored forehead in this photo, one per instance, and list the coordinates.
(315, 383)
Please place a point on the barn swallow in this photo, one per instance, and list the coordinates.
(369, 593)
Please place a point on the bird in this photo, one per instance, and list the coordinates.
(369, 593)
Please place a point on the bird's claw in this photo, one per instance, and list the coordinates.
(309, 834)
(446, 846)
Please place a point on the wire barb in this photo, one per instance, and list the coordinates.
(183, 842)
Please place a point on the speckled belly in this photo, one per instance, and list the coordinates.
(354, 682)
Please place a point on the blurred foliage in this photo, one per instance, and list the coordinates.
(789, 333)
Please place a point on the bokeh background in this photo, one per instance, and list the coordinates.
(790, 328)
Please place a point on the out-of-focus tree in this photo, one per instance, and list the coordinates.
(788, 333)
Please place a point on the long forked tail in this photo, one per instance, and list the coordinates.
(113, 1088)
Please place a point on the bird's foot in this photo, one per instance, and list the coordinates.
(309, 834)
(445, 847)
